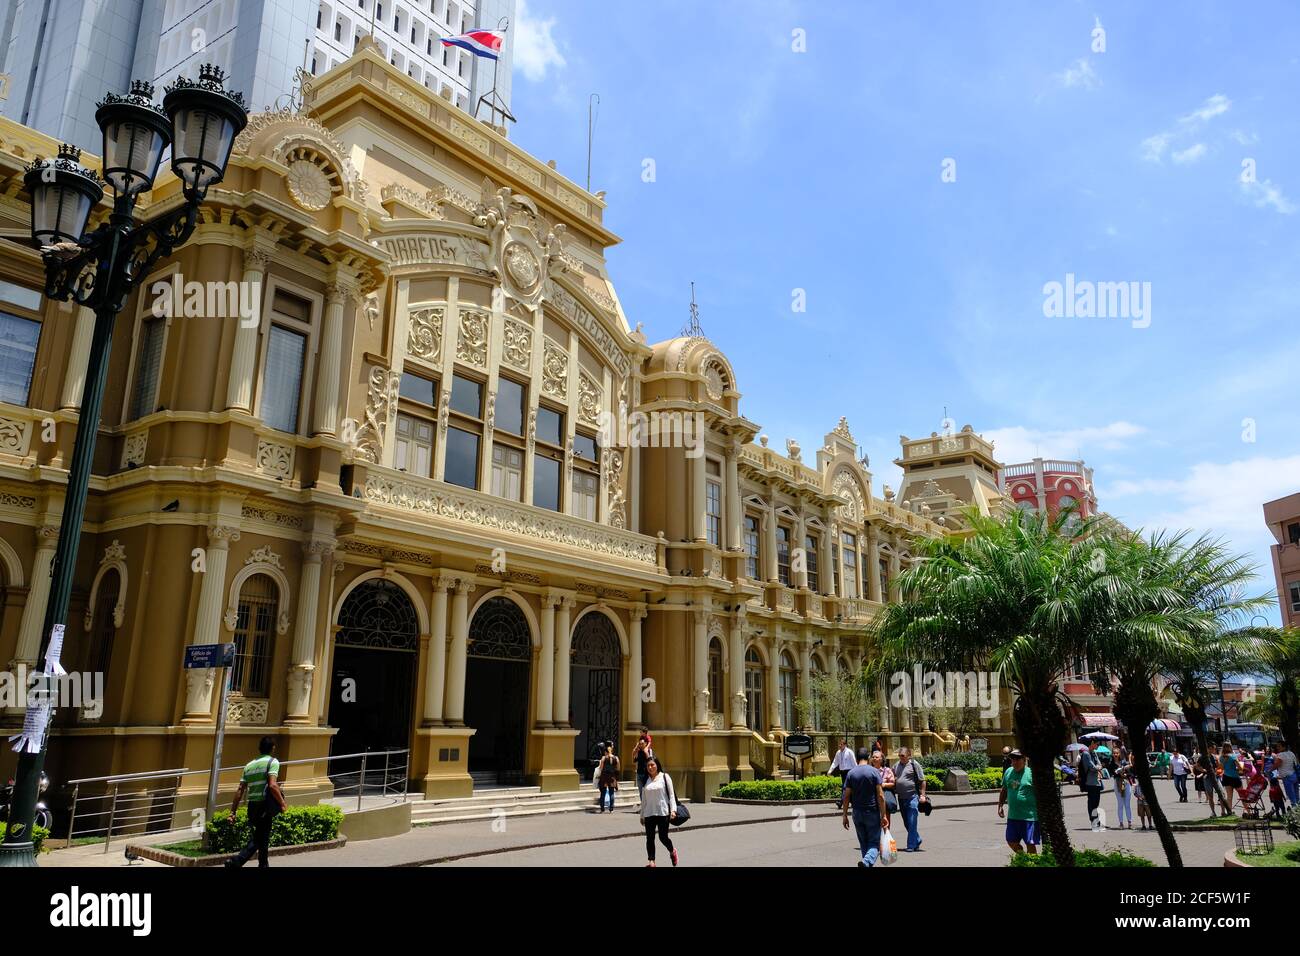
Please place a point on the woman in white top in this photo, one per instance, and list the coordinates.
(658, 807)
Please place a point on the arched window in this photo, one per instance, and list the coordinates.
(715, 675)
(754, 714)
(99, 647)
(255, 636)
(788, 689)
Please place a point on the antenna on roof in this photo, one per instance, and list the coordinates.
(692, 329)
(593, 101)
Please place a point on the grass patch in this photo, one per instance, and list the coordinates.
(1226, 823)
(1282, 854)
(86, 841)
(192, 848)
(1083, 857)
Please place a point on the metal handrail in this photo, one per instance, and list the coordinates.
(144, 775)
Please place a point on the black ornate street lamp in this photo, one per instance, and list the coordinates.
(99, 270)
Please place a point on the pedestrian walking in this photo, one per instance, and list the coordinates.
(1017, 802)
(886, 780)
(260, 783)
(909, 788)
(1284, 765)
(1006, 758)
(1179, 767)
(1090, 779)
(607, 774)
(843, 761)
(641, 756)
(863, 790)
(658, 809)
(1163, 762)
(1231, 779)
(1123, 777)
(1144, 811)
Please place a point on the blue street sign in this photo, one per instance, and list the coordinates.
(209, 655)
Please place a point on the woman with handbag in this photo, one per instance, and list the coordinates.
(658, 809)
(888, 782)
(1123, 777)
(607, 775)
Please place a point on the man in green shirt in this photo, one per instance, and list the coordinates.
(1018, 792)
(260, 781)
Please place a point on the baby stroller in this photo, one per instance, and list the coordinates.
(1252, 798)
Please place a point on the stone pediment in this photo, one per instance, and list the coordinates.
(318, 164)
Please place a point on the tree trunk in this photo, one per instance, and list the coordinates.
(1041, 732)
(1196, 717)
(1136, 707)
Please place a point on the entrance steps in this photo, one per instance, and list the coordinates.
(487, 803)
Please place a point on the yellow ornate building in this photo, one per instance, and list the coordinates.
(390, 483)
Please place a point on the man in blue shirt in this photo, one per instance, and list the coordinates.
(862, 788)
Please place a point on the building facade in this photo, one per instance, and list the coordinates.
(1283, 519)
(62, 56)
(1051, 485)
(435, 487)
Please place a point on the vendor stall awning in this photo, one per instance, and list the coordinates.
(1161, 723)
(1099, 720)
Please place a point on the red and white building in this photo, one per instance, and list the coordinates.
(1048, 485)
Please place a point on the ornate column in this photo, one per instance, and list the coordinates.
(243, 359)
(455, 713)
(546, 662)
(801, 538)
(825, 572)
(773, 686)
(563, 664)
(894, 570)
(873, 563)
(74, 378)
(700, 669)
(805, 678)
(769, 530)
(326, 414)
(38, 596)
(735, 512)
(303, 663)
(207, 623)
(839, 562)
(857, 566)
(736, 654)
(883, 703)
(435, 668)
(699, 513)
(634, 666)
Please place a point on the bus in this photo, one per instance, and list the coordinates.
(1253, 737)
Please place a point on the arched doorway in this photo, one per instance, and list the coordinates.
(496, 689)
(594, 687)
(372, 685)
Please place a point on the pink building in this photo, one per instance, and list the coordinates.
(1049, 485)
(1283, 519)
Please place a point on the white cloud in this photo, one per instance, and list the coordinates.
(1153, 147)
(1020, 444)
(1080, 73)
(1265, 193)
(535, 49)
(1243, 138)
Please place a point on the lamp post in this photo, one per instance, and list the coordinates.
(99, 270)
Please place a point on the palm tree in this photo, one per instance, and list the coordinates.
(1281, 657)
(1001, 599)
(1155, 601)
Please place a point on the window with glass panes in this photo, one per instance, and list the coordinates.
(751, 548)
(286, 353)
(19, 336)
(789, 690)
(254, 636)
(755, 715)
(783, 554)
(835, 568)
(508, 440)
(849, 543)
(148, 367)
(713, 502)
(417, 423)
(548, 458)
(585, 489)
(715, 675)
(810, 561)
(464, 432)
(884, 580)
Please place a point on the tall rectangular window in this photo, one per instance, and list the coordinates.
(585, 486)
(416, 425)
(850, 553)
(1294, 588)
(507, 472)
(713, 512)
(546, 482)
(585, 489)
(148, 367)
(511, 398)
(783, 554)
(751, 548)
(283, 379)
(810, 562)
(461, 466)
(18, 340)
(835, 569)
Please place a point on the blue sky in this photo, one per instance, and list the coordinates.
(777, 170)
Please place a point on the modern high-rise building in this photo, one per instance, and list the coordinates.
(62, 56)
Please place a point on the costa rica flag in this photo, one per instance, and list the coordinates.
(479, 42)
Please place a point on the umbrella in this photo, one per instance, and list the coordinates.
(1075, 747)
(1098, 735)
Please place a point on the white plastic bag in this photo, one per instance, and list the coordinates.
(888, 848)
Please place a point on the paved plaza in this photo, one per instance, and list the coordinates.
(964, 831)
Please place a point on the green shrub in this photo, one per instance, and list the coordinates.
(38, 836)
(295, 826)
(943, 759)
(813, 788)
(1291, 820)
(1083, 858)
